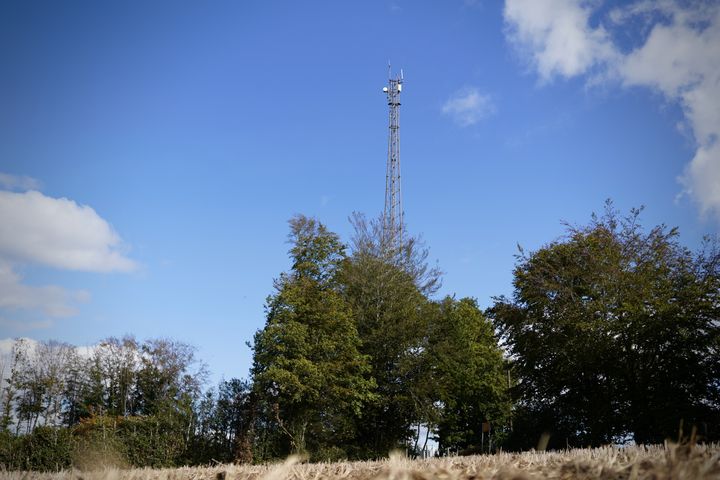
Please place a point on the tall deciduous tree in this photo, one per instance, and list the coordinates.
(307, 370)
(469, 374)
(388, 287)
(119, 360)
(37, 382)
(615, 332)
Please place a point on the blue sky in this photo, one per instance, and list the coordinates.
(151, 153)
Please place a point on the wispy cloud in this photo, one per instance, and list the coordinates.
(18, 182)
(51, 300)
(19, 326)
(552, 122)
(678, 56)
(468, 106)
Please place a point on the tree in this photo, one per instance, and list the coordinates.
(169, 378)
(233, 417)
(83, 389)
(119, 401)
(614, 332)
(119, 360)
(51, 363)
(388, 288)
(223, 421)
(307, 370)
(469, 375)
(9, 384)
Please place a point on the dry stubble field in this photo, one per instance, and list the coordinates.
(654, 462)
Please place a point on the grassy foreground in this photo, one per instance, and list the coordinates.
(654, 462)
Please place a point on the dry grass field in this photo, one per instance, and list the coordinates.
(655, 462)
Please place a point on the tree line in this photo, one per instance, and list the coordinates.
(611, 335)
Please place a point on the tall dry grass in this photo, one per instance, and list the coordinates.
(682, 462)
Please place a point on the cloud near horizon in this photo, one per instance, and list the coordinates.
(468, 106)
(679, 56)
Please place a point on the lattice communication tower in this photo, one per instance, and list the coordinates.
(393, 213)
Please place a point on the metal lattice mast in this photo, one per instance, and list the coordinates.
(393, 213)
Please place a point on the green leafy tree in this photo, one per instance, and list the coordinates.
(388, 287)
(83, 389)
(119, 360)
(46, 449)
(614, 332)
(469, 375)
(223, 423)
(233, 418)
(308, 372)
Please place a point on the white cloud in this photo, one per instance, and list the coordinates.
(51, 232)
(702, 178)
(557, 36)
(59, 233)
(679, 56)
(18, 182)
(52, 300)
(468, 106)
